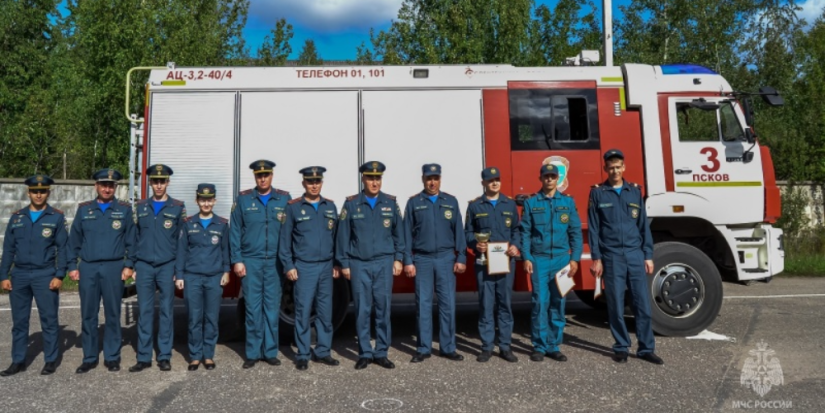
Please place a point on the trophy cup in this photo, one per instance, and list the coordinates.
(482, 237)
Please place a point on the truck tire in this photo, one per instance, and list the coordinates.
(686, 290)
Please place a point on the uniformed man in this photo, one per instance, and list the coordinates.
(621, 247)
(495, 214)
(369, 246)
(202, 269)
(306, 253)
(103, 238)
(253, 244)
(35, 243)
(551, 239)
(159, 220)
(436, 252)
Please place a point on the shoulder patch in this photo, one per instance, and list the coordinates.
(281, 192)
(245, 192)
(352, 197)
(294, 201)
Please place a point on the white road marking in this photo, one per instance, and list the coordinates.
(709, 335)
(382, 405)
(776, 296)
(77, 307)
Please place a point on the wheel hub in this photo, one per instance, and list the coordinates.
(678, 290)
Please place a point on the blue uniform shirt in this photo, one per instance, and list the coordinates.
(500, 219)
(256, 226)
(308, 234)
(433, 227)
(551, 227)
(157, 233)
(617, 223)
(98, 235)
(37, 245)
(366, 233)
(203, 251)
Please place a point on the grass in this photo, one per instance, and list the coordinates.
(805, 264)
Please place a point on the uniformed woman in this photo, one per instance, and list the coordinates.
(203, 260)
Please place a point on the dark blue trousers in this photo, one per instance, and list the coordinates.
(262, 294)
(623, 272)
(435, 272)
(25, 286)
(372, 285)
(203, 301)
(148, 280)
(494, 292)
(101, 280)
(547, 319)
(314, 286)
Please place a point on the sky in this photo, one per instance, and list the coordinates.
(339, 26)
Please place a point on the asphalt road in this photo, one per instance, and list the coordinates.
(699, 375)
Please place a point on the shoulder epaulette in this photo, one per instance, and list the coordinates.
(143, 201)
(281, 192)
(635, 185)
(245, 192)
(391, 197)
(124, 203)
(294, 201)
(595, 186)
(20, 211)
(474, 200)
(415, 195)
(58, 211)
(446, 194)
(190, 218)
(87, 203)
(222, 220)
(352, 197)
(177, 202)
(328, 200)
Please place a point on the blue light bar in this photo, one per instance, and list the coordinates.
(686, 69)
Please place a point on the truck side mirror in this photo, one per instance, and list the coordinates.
(771, 96)
(747, 108)
(749, 135)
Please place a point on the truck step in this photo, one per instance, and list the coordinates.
(749, 239)
(754, 270)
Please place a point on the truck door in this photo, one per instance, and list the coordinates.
(713, 160)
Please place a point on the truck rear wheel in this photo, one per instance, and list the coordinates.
(686, 290)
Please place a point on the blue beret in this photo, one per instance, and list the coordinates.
(490, 173)
(613, 153)
(313, 172)
(262, 166)
(431, 169)
(39, 181)
(160, 171)
(548, 169)
(372, 168)
(107, 175)
(206, 190)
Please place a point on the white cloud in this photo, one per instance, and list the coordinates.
(327, 15)
(811, 10)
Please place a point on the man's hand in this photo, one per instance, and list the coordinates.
(596, 268)
(397, 267)
(224, 279)
(336, 272)
(240, 269)
(126, 273)
(179, 284)
(54, 285)
(409, 271)
(346, 273)
(528, 266)
(459, 268)
(512, 251)
(481, 247)
(649, 267)
(6, 285)
(574, 266)
(292, 275)
(74, 275)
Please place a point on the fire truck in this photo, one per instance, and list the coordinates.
(688, 139)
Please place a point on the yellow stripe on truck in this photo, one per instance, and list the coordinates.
(718, 184)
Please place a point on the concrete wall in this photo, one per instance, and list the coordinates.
(816, 200)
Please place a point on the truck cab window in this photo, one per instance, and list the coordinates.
(731, 129)
(696, 125)
(553, 119)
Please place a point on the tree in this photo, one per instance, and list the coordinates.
(309, 55)
(275, 49)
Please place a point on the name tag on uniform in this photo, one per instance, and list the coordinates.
(90, 216)
(538, 209)
(145, 214)
(390, 208)
(416, 208)
(633, 205)
(215, 232)
(169, 215)
(18, 225)
(481, 215)
(357, 216)
(117, 215)
(193, 231)
(506, 213)
(562, 208)
(303, 218)
(386, 214)
(607, 205)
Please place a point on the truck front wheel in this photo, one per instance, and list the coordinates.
(686, 290)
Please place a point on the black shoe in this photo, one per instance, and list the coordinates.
(384, 362)
(13, 369)
(248, 364)
(556, 355)
(164, 365)
(452, 356)
(484, 356)
(509, 356)
(273, 361)
(419, 357)
(537, 356)
(140, 366)
(328, 360)
(362, 363)
(301, 365)
(85, 367)
(620, 357)
(193, 366)
(651, 358)
(112, 365)
(49, 368)
(209, 366)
